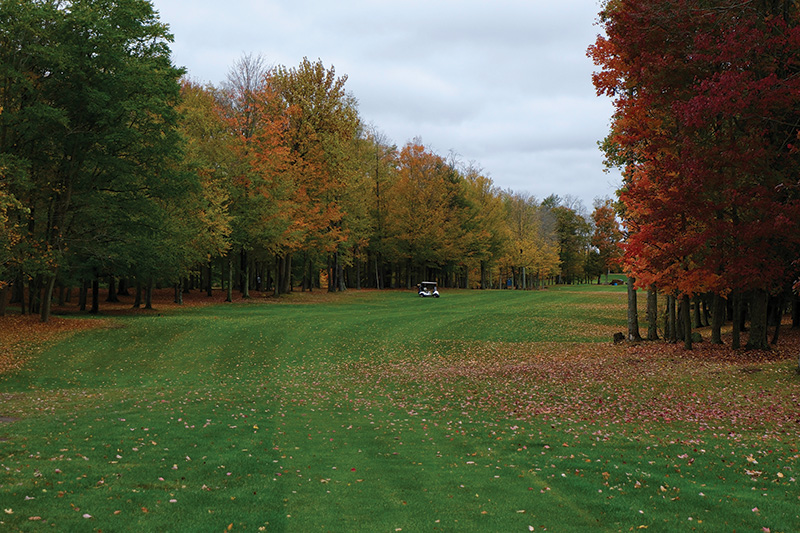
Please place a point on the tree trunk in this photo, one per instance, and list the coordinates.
(698, 321)
(35, 294)
(778, 317)
(4, 292)
(340, 272)
(287, 275)
(95, 296)
(21, 299)
(148, 294)
(48, 297)
(246, 275)
(209, 285)
(122, 289)
(633, 313)
(795, 311)
(672, 320)
(112, 290)
(737, 322)
(706, 314)
(758, 321)
(17, 290)
(229, 295)
(687, 322)
(717, 319)
(83, 296)
(652, 314)
(137, 300)
(179, 292)
(358, 270)
(313, 276)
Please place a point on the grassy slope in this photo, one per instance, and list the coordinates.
(383, 411)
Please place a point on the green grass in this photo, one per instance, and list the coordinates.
(478, 411)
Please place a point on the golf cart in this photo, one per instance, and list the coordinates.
(428, 288)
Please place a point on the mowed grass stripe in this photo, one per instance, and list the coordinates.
(382, 412)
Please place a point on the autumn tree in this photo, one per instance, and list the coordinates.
(380, 164)
(706, 116)
(534, 246)
(485, 226)
(322, 127)
(573, 231)
(209, 154)
(607, 236)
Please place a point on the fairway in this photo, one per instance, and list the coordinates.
(382, 411)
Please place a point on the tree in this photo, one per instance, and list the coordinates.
(242, 104)
(573, 233)
(209, 153)
(90, 91)
(485, 226)
(607, 236)
(322, 126)
(706, 112)
(423, 225)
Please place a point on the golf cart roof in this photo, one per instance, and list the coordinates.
(428, 283)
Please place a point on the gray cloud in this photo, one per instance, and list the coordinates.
(505, 84)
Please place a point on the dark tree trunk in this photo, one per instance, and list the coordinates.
(358, 269)
(245, 275)
(717, 319)
(672, 319)
(148, 294)
(17, 290)
(137, 300)
(179, 292)
(112, 290)
(652, 314)
(35, 294)
(736, 342)
(83, 296)
(698, 321)
(778, 317)
(122, 289)
(340, 273)
(95, 296)
(47, 299)
(757, 339)
(795, 311)
(21, 299)
(633, 313)
(687, 323)
(229, 294)
(5, 290)
(287, 275)
(209, 282)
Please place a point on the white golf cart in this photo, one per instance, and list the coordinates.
(428, 288)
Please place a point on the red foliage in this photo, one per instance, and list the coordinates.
(706, 109)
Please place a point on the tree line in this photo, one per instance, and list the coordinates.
(706, 130)
(117, 170)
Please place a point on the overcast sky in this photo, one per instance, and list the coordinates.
(504, 84)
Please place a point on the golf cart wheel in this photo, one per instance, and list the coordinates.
(435, 295)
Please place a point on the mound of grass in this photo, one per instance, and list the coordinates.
(493, 411)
